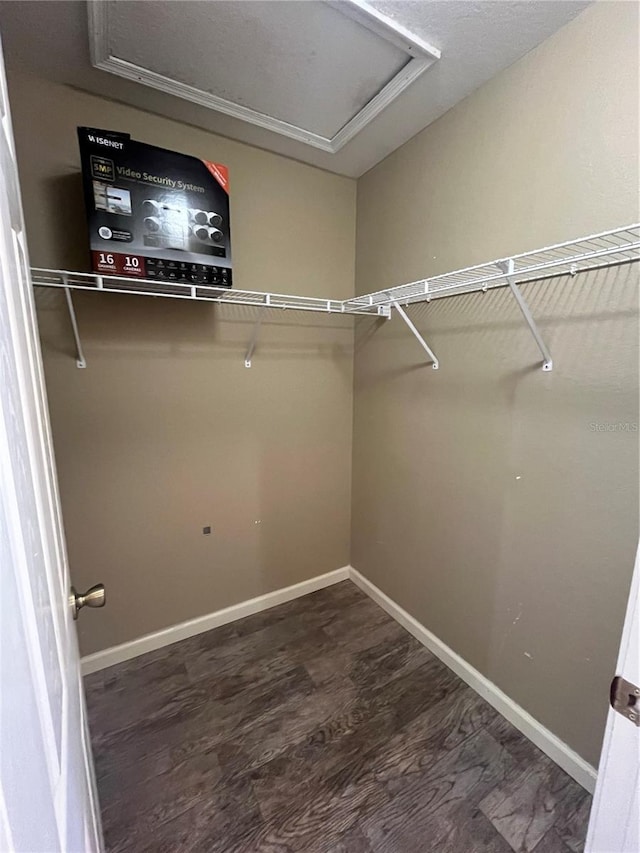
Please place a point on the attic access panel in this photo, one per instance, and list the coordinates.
(317, 72)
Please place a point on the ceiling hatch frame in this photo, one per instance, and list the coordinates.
(421, 56)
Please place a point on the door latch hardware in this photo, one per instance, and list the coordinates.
(625, 699)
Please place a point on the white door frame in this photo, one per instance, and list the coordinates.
(47, 788)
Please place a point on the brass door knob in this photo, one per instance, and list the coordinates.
(94, 597)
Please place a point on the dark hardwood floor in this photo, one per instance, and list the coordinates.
(318, 726)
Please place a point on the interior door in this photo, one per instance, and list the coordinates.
(615, 816)
(47, 793)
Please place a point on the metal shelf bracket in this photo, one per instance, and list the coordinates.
(435, 364)
(508, 268)
(80, 359)
(252, 343)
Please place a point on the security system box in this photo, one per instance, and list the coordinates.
(155, 214)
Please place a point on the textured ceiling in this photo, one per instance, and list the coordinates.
(294, 62)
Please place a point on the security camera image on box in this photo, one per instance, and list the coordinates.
(153, 213)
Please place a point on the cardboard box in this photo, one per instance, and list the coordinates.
(153, 213)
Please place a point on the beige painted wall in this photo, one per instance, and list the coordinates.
(483, 500)
(166, 431)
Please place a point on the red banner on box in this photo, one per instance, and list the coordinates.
(220, 173)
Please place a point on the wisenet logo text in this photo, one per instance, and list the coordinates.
(102, 140)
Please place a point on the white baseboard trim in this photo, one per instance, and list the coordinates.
(167, 636)
(550, 744)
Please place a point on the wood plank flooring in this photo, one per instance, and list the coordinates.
(319, 726)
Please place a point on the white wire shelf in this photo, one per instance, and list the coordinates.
(621, 245)
(68, 280)
(618, 246)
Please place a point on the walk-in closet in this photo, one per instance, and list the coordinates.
(319, 449)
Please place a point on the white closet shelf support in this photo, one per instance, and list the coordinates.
(80, 359)
(508, 267)
(435, 364)
(608, 248)
(252, 343)
(68, 281)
